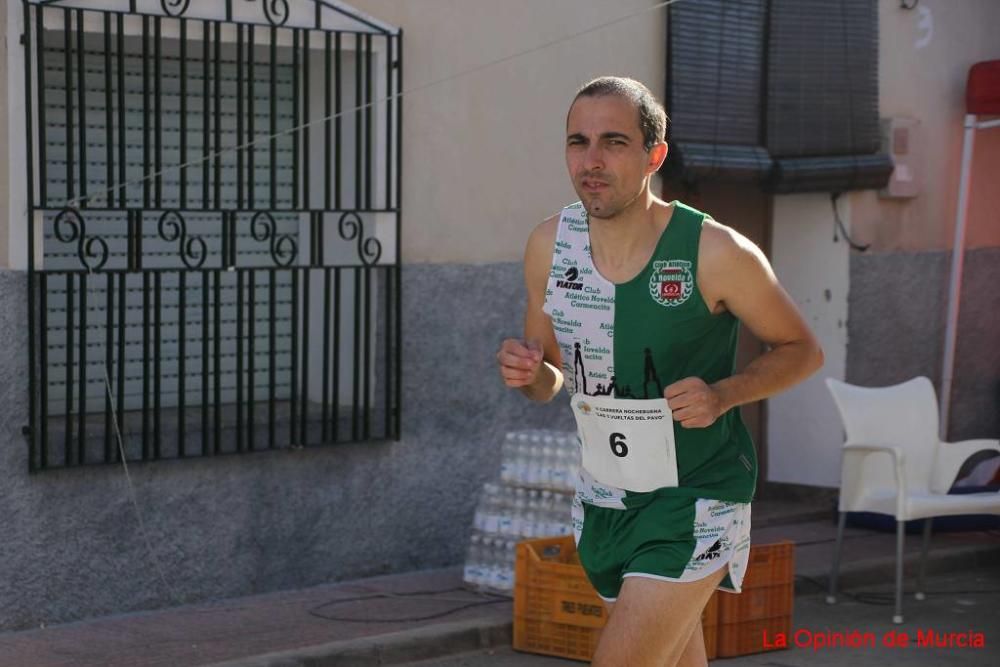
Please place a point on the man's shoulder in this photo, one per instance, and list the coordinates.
(724, 253)
(545, 231)
(539, 250)
(541, 241)
(720, 241)
(725, 258)
(543, 236)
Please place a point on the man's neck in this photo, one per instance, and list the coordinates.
(628, 232)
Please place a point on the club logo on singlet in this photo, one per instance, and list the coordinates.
(570, 279)
(671, 282)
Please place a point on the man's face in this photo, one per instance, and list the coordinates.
(605, 156)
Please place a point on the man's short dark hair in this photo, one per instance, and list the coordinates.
(652, 116)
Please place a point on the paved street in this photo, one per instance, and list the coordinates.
(960, 603)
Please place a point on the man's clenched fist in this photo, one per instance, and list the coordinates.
(519, 362)
(693, 403)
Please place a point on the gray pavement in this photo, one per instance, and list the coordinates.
(960, 602)
(427, 616)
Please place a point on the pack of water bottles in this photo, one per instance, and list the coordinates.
(540, 459)
(532, 498)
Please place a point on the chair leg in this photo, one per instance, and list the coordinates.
(831, 597)
(900, 536)
(923, 557)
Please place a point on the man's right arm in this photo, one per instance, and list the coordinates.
(536, 375)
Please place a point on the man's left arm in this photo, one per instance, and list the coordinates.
(733, 273)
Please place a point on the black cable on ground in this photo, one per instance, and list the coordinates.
(490, 598)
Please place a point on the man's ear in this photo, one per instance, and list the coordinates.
(657, 154)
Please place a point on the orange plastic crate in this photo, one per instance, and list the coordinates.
(770, 564)
(557, 611)
(747, 637)
(765, 605)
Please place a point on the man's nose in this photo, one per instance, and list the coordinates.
(594, 158)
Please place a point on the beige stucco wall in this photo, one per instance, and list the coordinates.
(924, 58)
(804, 432)
(483, 153)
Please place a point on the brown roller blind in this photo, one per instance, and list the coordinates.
(822, 96)
(714, 67)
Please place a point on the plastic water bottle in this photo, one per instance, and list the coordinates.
(560, 470)
(505, 558)
(535, 512)
(566, 512)
(534, 477)
(559, 520)
(523, 461)
(492, 509)
(495, 564)
(508, 460)
(549, 516)
(548, 465)
(506, 509)
(520, 509)
(487, 561)
(509, 558)
(473, 571)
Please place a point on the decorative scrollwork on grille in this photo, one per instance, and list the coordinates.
(69, 227)
(263, 228)
(175, 7)
(352, 227)
(172, 227)
(276, 11)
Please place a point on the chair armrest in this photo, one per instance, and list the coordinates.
(951, 456)
(862, 450)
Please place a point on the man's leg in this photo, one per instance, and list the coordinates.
(608, 607)
(653, 621)
(694, 653)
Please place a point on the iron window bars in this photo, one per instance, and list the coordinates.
(214, 224)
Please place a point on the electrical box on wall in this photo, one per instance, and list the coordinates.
(901, 140)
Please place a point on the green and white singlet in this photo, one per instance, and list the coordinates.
(633, 339)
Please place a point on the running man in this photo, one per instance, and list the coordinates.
(644, 297)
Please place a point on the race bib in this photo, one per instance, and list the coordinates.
(627, 443)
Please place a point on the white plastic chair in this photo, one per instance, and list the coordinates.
(894, 463)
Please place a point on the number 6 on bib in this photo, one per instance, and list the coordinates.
(627, 443)
(618, 445)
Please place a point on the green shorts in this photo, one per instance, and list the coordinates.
(672, 538)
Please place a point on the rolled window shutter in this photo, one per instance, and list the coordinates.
(822, 96)
(714, 70)
(781, 92)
